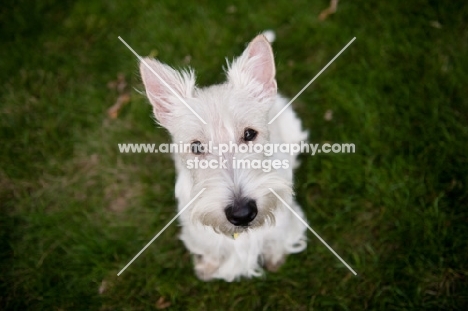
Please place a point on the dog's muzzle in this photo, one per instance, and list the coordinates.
(241, 212)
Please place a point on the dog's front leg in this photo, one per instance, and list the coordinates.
(205, 266)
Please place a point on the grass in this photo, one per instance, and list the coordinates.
(75, 211)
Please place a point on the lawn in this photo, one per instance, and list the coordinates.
(75, 211)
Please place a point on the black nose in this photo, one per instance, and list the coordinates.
(241, 212)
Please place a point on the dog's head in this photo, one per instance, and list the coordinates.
(236, 113)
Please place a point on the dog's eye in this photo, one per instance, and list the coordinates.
(197, 147)
(250, 134)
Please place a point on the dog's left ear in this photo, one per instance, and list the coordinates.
(255, 69)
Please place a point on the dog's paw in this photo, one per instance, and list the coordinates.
(205, 267)
(274, 265)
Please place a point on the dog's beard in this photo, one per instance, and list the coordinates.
(210, 206)
(265, 217)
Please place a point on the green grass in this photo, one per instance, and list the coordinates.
(75, 211)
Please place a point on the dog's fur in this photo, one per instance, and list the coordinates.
(248, 99)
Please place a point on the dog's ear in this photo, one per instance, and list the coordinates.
(166, 88)
(256, 66)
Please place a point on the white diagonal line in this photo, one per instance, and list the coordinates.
(316, 76)
(162, 80)
(312, 230)
(157, 235)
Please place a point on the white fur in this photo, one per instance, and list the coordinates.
(247, 99)
(270, 35)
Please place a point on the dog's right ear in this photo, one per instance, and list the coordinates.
(166, 88)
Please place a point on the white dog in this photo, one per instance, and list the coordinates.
(237, 225)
